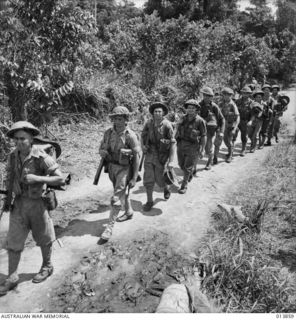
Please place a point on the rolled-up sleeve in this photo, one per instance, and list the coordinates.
(49, 165)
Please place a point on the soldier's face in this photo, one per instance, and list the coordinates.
(207, 98)
(258, 97)
(266, 92)
(158, 113)
(274, 91)
(245, 95)
(226, 97)
(191, 110)
(119, 121)
(23, 140)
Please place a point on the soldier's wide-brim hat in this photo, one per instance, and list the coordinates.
(266, 86)
(120, 111)
(257, 105)
(157, 105)
(258, 91)
(227, 90)
(246, 89)
(207, 91)
(22, 125)
(284, 100)
(169, 177)
(40, 140)
(192, 102)
(275, 86)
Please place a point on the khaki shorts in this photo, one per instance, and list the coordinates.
(29, 214)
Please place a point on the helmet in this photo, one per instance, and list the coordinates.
(246, 89)
(276, 86)
(266, 85)
(227, 90)
(156, 105)
(120, 111)
(284, 100)
(252, 86)
(257, 105)
(40, 140)
(208, 91)
(22, 125)
(192, 102)
(258, 91)
(169, 177)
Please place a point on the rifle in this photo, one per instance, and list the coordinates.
(99, 170)
(5, 192)
(143, 154)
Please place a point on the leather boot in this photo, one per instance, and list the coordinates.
(46, 268)
(183, 188)
(229, 156)
(209, 163)
(243, 152)
(166, 193)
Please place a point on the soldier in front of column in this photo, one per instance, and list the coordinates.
(29, 169)
(244, 109)
(191, 140)
(267, 115)
(231, 115)
(159, 145)
(215, 124)
(121, 149)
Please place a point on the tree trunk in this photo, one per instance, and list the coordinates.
(16, 99)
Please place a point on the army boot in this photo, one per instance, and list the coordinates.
(268, 143)
(183, 188)
(243, 151)
(46, 268)
(229, 156)
(166, 192)
(209, 163)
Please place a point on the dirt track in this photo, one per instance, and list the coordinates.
(176, 225)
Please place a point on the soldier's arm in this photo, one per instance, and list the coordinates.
(173, 145)
(236, 112)
(203, 140)
(221, 120)
(136, 148)
(53, 175)
(7, 184)
(103, 150)
(144, 137)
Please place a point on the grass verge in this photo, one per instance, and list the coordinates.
(250, 267)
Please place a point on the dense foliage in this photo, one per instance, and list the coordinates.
(87, 56)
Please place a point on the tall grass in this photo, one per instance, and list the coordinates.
(251, 269)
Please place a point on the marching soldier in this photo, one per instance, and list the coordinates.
(29, 169)
(280, 106)
(267, 115)
(191, 140)
(159, 147)
(231, 115)
(244, 108)
(120, 148)
(215, 124)
(255, 123)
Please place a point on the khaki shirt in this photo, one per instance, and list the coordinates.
(38, 163)
(113, 142)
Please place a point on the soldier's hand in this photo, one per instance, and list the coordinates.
(233, 131)
(249, 123)
(132, 183)
(221, 134)
(32, 178)
(144, 149)
(103, 153)
(202, 154)
(170, 165)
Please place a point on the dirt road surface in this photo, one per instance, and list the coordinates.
(180, 222)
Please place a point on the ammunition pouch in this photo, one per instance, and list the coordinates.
(125, 157)
(50, 199)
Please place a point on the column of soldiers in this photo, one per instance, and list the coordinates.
(200, 131)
